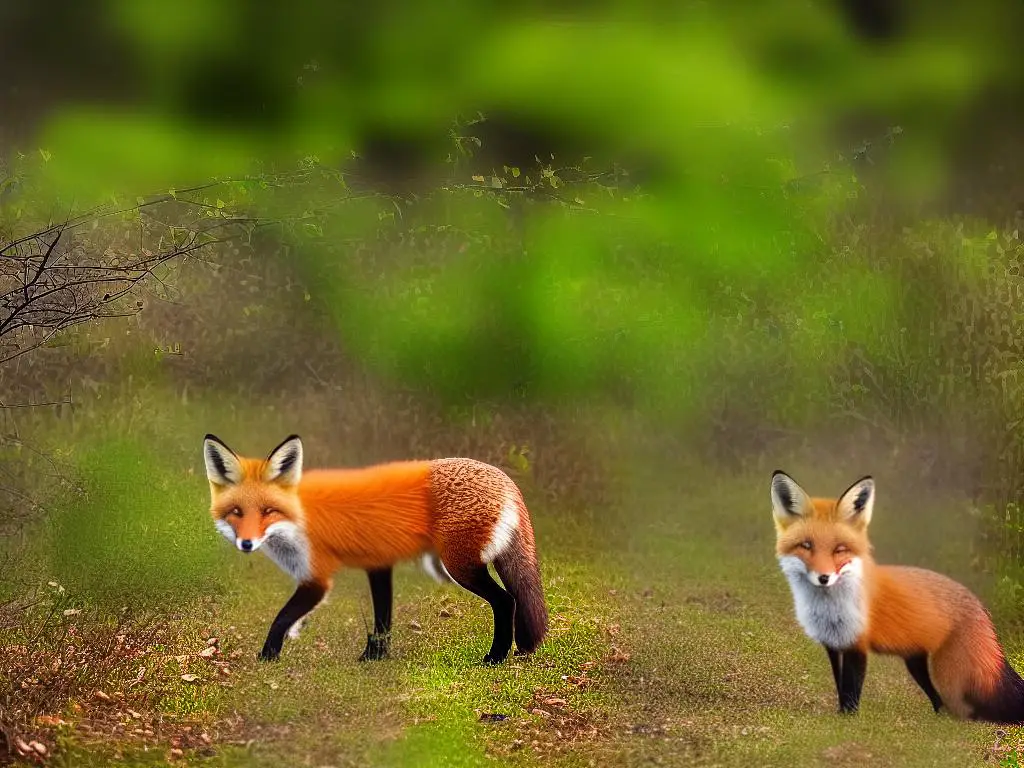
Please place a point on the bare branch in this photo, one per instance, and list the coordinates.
(52, 279)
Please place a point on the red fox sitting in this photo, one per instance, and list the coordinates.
(852, 606)
(467, 513)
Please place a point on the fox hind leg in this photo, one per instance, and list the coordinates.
(478, 580)
(918, 668)
(381, 593)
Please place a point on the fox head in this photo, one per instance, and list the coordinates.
(254, 500)
(822, 540)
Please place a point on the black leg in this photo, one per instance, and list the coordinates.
(305, 599)
(918, 668)
(854, 667)
(834, 659)
(479, 581)
(381, 593)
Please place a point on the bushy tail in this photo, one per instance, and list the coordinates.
(1006, 705)
(518, 569)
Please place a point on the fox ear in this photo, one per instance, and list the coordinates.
(222, 465)
(284, 464)
(857, 502)
(789, 501)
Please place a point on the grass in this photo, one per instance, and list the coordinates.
(673, 642)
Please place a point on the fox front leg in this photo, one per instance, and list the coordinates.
(849, 668)
(305, 599)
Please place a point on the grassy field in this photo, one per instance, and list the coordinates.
(673, 643)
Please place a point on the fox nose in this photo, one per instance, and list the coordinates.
(246, 545)
(822, 578)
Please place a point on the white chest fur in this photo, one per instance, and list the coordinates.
(834, 616)
(287, 545)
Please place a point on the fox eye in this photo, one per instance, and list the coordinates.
(268, 511)
(805, 544)
(841, 549)
(235, 511)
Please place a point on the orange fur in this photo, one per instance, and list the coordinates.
(371, 517)
(313, 523)
(909, 611)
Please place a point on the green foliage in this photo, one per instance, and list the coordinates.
(135, 535)
(525, 281)
(558, 282)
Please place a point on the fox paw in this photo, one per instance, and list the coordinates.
(376, 647)
(269, 654)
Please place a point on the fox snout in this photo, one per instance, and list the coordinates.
(851, 568)
(244, 543)
(822, 579)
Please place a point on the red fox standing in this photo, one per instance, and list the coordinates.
(311, 524)
(852, 606)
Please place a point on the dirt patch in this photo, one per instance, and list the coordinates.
(849, 753)
(554, 726)
(717, 602)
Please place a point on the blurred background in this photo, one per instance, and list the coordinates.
(617, 248)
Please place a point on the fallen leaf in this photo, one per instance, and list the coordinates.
(101, 696)
(208, 652)
(415, 626)
(72, 611)
(617, 656)
(190, 678)
(38, 747)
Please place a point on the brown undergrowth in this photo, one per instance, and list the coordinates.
(126, 680)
